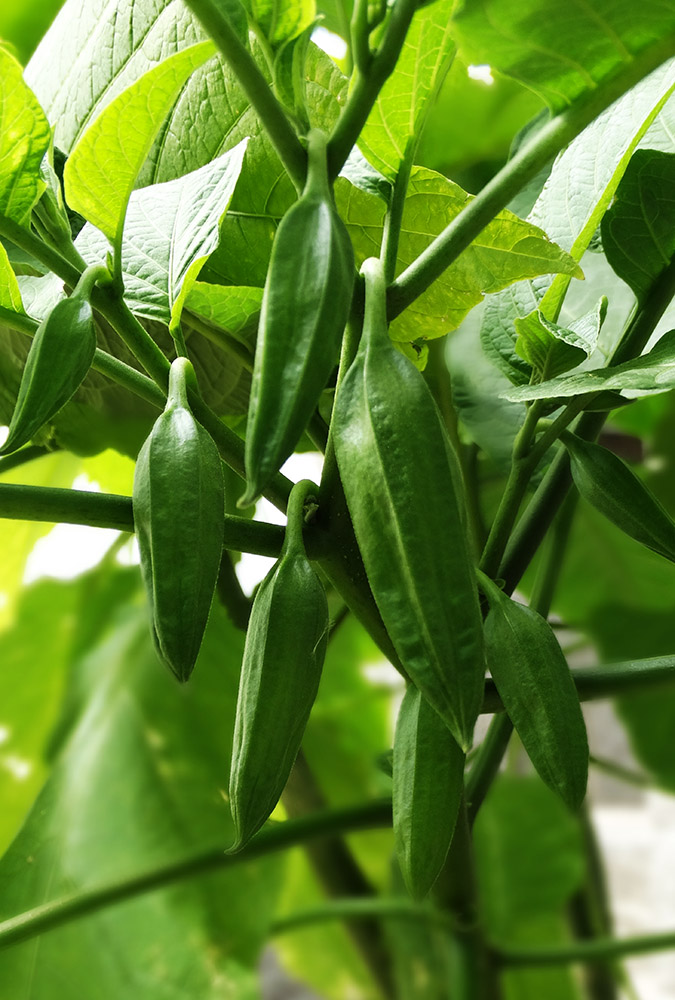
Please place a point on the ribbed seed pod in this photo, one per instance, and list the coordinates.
(402, 484)
(305, 306)
(428, 784)
(283, 657)
(179, 508)
(536, 687)
(59, 358)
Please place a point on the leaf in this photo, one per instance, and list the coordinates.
(528, 853)
(170, 231)
(428, 787)
(578, 192)
(508, 249)
(538, 692)
(136, 784)
(10, 294)
(24, 138)
(281, 19)
(398, 114)
(552, 349)
(561, 52)
(101, 170)
(233, 309)
(614, 490)
(654, 370)
(638, 231)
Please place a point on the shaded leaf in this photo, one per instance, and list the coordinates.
(638, 231)
(561, 52)
(551, 348)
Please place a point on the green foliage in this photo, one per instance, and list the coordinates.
(207, 181)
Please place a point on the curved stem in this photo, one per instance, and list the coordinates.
(256, 88)
(62, 911)
(394, 217)
(586, 951)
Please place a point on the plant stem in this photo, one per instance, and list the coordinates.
(526, 163)
(22, 457)
(610, 681)
(488, 759)
(362, 909)
(256, 88)
(367, 86)
(230, 594)
(108, 510)
(56, 913)
(472, 972)
(586, 951)
(394, 217)
(338, 872)
(555, 485)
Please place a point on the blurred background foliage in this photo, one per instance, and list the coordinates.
(90, 726)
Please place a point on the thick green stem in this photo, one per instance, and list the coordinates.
(394, 217)
(527, 162)
(367, 86)
(362, 909)
(256, 88)
(62, 911)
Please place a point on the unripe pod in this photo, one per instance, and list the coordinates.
(305, 306)
(179, 517)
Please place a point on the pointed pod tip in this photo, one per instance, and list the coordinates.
(248, 498)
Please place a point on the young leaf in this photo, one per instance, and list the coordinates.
(170, 231)
(10, 294)
(102, 169)
(552, 349)
(24, 138)
(401, 107)
(428, 785)
(638, 231)
(538, 692)
(281, 19)
(615, 491)
(654, 370)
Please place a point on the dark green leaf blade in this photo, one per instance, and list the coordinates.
(538, 692)
(638, 231)
(428, 785)
(607, 483)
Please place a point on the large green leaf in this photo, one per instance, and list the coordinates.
(507, 250)
(578, 192)
(638, 231)
(562, 52)
(102, 169)
(280, 20)
(24, 138)
(137, 782)
(398, 114)
(170, 231)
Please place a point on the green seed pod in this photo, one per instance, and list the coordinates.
(283, 657)
(536, 687)
(59, 358)
(607, 483)
(179, 508)
(428, 786)
(403, 489)
(305, 306)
